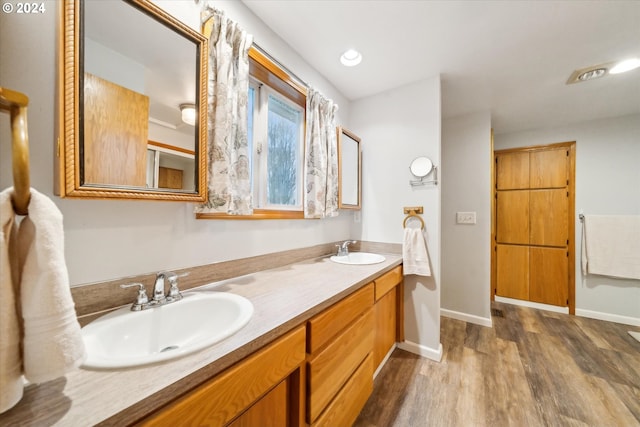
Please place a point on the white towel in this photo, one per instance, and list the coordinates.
(51, 341)
(11, 383)
(611, 245)
(415, 258)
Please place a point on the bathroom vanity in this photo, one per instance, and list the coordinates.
(307, 357)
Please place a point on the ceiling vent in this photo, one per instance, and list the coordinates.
(589, 73)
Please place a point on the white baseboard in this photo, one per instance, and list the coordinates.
(469, 318)
(384, 361)
(421, 350)
(539, 306)
(625, 320)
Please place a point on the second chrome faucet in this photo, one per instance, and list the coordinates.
(343, 248)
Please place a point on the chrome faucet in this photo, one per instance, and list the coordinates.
(343, 248)
(159, 297)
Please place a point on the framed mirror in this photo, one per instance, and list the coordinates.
(132, 103)
(349, 170)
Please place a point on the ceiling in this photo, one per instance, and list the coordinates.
(512, 58)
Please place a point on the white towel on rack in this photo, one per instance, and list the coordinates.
(611, 245)
(11, 383)
(51, 341)
(415, 258)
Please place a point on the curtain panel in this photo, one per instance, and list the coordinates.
(321, 157)
(229, 189)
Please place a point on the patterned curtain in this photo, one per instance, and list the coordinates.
(229, 189)
(321, 158)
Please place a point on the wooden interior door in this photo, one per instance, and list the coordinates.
(534, 248)
(115, 137)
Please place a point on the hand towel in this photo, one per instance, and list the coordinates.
(415, 258)
(611, 245)
(11, 383)
(52, 343)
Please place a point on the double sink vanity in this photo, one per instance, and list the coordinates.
(296, 345)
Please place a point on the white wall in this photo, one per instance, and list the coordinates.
(396, 127)
(466, 187)
(607, 182)
(111, 239)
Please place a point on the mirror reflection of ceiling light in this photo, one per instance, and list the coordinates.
(624, 66)
(351, 58)
(188, 113)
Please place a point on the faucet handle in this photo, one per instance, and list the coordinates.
(142, 297)
(174, 292)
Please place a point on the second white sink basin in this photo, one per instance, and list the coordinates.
(125, 338)
(358, 258)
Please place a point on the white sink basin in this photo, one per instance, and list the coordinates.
(358, 258)
(125, 338)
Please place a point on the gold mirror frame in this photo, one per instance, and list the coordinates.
(68, 149)
(345, 176)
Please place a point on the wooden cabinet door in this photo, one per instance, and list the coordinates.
(548, 168)
(270, 411)
(549, 270)
(512, 171)
(385, 336)
(512, 275)
(549, 223)
(512, 217)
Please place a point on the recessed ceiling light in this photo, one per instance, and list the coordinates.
(626, 65)
(351, 58)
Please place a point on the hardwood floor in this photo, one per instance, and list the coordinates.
(533, 368)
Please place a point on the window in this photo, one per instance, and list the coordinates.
(276, 123)
(277, 147)
(276, 131)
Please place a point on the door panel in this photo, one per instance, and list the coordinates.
(512, 217)
(549, 224)
(512, 275)
(549, 272)
(512, 171)
(533, 224)
(548, 168)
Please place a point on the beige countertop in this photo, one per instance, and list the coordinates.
(282, 298)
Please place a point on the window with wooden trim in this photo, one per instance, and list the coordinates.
(276, 132)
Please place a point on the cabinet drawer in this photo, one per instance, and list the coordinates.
(345, 408)
(224, 397)
(330, 369)
(388, 281)
(330, 322)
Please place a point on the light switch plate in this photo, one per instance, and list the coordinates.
(465, 217)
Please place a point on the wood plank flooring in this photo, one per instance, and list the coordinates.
(533, 368)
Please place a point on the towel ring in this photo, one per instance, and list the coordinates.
(404, 223)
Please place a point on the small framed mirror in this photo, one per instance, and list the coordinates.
(349, 170)
(132, 103)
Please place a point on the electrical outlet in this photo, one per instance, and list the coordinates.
(465, 217)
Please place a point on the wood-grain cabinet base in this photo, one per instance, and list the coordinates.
(262, 389)
(319, 374)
